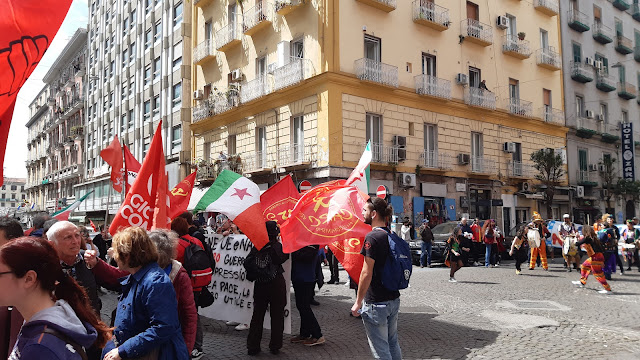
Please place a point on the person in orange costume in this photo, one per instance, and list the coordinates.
(538, 224)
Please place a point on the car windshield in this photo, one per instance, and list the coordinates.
(445, 228)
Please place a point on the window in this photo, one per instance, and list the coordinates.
(147, 110)
(474, 77)
(177, 14)
(147, 75)
(512, 29)
(583, 165)
(477, 150)
(261, 146)
(261, 67)
(622, 72)
(372, 48)
(146, 147)
(472, 11)
(131, 119)
(176, 136)
(208, 30)
(147, 6)
(157, 32)
(157, 66)
(132, 83)
(133, 19)
(430, 145)
(605, 62)
(123, 91)
(618, 27)
(579, 106)
(603, 112)
(132, 51)
(428, 64)
(177, 55)
(125, 26)
(125, 57)
(597, 14)
(577, 52)
(546, 100)
(231, 145)
(297, 49)
(147, 39)
(14, 188)
(123, 123)
(156, 106)
(176, 95)
(297, 138)
(544, 39)
(111, 100)
(374, 134)
(625, 116)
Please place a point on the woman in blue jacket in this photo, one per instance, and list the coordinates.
(147, 321)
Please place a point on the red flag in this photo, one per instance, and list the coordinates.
(161, 219)
(325, 214)
(139, 206)
(27, 29)
(278, 201)
(348, 253)
(112, 155)
(180, 195)
(93, 226)
(131, 168)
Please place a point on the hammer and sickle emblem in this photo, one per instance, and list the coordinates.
(179, 192)
(319, 203)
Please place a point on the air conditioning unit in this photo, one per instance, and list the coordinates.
(593, 167)
(604, 193)
(525, 186)
(271, 68)
(602, 168)
(598, 65)
(502, 22)
(198, 94)
(461, 79)
(509, 147)
(580, 191)
(599, 117)
(589, 61)
(407, 179)
(463, 159)
(236, 75)
(588, 114)
(399, 140)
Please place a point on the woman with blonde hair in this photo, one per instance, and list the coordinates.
(147, 323)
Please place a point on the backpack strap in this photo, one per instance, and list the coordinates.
(79, 349)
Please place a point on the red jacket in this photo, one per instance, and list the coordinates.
(187, 311)
(182, 245)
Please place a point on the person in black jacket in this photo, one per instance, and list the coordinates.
(269, 290)
(303, 278)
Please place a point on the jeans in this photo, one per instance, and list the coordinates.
(381, 325)
(426, 253)
(309, 326)
(487, 255)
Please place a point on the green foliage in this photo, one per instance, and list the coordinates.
(550, 170)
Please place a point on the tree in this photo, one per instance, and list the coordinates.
(550, 170)
(607, 174)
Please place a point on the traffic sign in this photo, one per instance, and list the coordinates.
(382, 191)
(304, 185)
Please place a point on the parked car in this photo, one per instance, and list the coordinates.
(441, 233)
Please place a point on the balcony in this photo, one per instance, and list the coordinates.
(384, 5)
(609, 133)
(433, 86)
(257, 18)
(512, 45)
(626, 90)
(552, 116)
(431, 159)
(624, 45)
(228, 37)
(621, 5)
(74, 104)
(477, 32)
(203, 52)
(208, 170)
(382, 154)
(586, 128)
(577, 20)
(480, 98)
(581, 72)
(636, 53)
(257, 162)
(77, 131)
(295, 155)
(547, 7)
(517, 169)
(635, 13)
(587, 178)
(548, 58)
(520, 107)
(602, 33)
(292, 73)
(431, 15)
(254, 89)
(375, 71)
(284, 7)
(482, 165)
(215, 105)
(605, 82)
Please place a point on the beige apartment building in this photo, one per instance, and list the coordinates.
(453, 95)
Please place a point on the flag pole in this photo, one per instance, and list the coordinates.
(106, 213)
(124, 174)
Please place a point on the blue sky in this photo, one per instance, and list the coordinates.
(16, 154)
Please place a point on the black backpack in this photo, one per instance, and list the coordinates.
(261, 265)
(199, 263)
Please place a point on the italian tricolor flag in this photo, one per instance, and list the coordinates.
(239, 199)
(360, 175)
(63, 215)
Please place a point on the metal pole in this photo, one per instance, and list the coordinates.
(106, 213)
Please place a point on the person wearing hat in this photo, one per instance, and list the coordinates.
(538, 224)
(567, 229)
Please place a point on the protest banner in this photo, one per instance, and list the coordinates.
(232, 292)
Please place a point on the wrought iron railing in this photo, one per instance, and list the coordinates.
(432, 159)
(281, 4)
(480, 97)
(292, 73)
(292, 154)
(579, 69)
(552, 5)
(478, 30)
(520, 107)
(227, 34)
(203, 50)
(482, 165)
(513, 44)
(431, 12)
(383, 154)
(375, 71)
(601, 31)
(433, 86)
(548, 56)
(254, 89)
(554, 116)
(263, 11)
(256, 161)
(520, 169)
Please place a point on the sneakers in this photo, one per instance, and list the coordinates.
(314, 341)
(496, 265)
(518, 272)
(452, 280)
(196, 354)
(232, 323)
(578, 283)
(299, 339)
(475, 263)
(242, 327)
(531, 268)
(603, 291)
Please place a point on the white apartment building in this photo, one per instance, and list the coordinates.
(12, 195)
(37, 187)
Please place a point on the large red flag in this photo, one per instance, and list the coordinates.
(161, 218)
(278, 201)
(325, 214)
(112, 155)
(131, 168)
(27, 29)
(139, 206)
(348, 253)
(180, 195)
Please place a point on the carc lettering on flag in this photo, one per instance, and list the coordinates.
(279, 200)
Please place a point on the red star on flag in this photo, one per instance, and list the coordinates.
(241, 193)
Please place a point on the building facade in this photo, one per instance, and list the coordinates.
(453, 99)
(601, 43)
(139, 62)
(13, 196)
(37, 186)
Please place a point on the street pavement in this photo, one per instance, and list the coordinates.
(490, 313)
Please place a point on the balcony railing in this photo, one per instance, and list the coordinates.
(611, 129)
(624, 45)
(602, 33)
(626, 90)
(202, 111)
(204, 51)
(605, 82)
(433, 86)
(283, 7)
(482, 165)
(586, 177)
(384, 5)
(257, 17)
(479, 97)
(549, 7)
(431, 15)
(432, 159)
(383, 154)
(577, 20)
(520, 170)
(477, 32)
(587, 124)
(228, 36)
(209, 170)
(295, 154)
(292, 73)
(548, 58)
(581, 72)
(622, 4)
(512, 45)
(216, 104)
(257, 161)
(375, 71)
(520, 107)
(554, 116)
(254, 89)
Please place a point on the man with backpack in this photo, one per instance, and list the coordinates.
(379, 310)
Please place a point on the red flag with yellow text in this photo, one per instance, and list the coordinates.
(180, 195)
(278, 201)
(27, 28)
(161, 218)
(131, 168)
(139, 206)
(112, 155)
